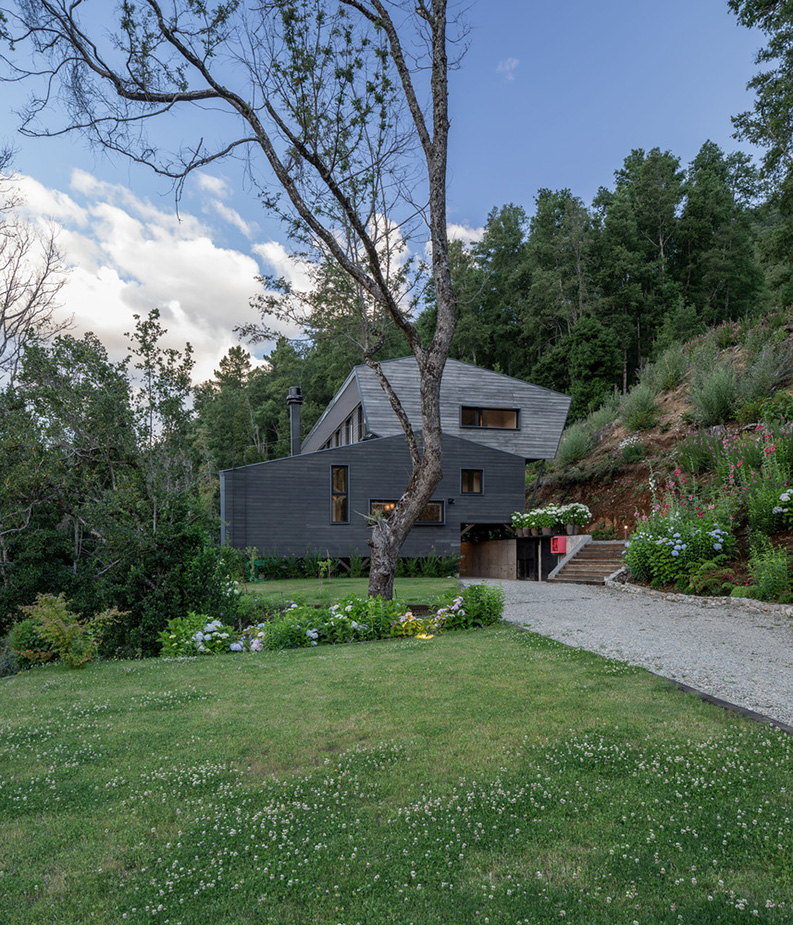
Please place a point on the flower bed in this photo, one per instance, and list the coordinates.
(352, 619)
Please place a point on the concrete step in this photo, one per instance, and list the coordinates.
(592, 565)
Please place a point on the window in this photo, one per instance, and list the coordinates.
(471, 481)
(498, 418)
(339, 495)
(432, 513)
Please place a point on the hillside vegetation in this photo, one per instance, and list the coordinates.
(703, 439)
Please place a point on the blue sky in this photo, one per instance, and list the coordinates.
(548, 95)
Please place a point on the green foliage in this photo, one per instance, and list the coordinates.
(484, 604)
(632, 449)
(357, 569)
(638, 409)
(697, 453)
(27, 644)
(575, 444)
(195, 634)
(476, 605)
(678, 537)
(602, 532)
(713, 577)
(605, 414)
(769, 566)
(76, 643)
(668, 371)
(714, 395)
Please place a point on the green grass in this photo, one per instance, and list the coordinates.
(312, 591)
(480, 776)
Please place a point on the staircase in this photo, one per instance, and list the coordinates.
(592, 564)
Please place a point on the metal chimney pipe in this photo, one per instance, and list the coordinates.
(294, 399)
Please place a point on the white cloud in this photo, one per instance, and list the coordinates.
(467, 235)
(507, 67)
(128, 256)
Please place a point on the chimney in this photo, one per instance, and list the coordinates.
(294, 399)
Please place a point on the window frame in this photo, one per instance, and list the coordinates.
(418, 523)
(334, 494)
(478, 411)
(481, 472)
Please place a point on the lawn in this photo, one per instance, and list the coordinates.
(480, 776)
(411, 591)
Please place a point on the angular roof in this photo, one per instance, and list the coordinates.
(543, 412)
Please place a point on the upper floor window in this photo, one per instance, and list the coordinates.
(471, 481)
(432, 513)
(497, 418)
(339, 494)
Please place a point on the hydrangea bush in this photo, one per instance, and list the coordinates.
(351, 619)
(679, 535)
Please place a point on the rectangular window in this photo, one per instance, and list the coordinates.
(339, 495)
(432, 513)
(471, 481)
(496, 418)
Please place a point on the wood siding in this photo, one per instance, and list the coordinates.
(543, 412)
(283, 506)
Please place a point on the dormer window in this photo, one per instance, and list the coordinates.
(490, 418)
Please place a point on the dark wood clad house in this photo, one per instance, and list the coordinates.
(355, 463)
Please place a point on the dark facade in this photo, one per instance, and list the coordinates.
(285, 505)
(355, 463)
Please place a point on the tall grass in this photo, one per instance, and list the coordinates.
(639, 408)
(714, 395)
(575, 444)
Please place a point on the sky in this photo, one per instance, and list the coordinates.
(546, 96)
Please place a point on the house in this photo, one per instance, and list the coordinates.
(355, 464)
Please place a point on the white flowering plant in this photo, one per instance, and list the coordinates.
(784, 507)
(195, 634)
(576, 513)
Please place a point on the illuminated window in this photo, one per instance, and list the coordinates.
(432, 513)
(471, 481)
(498, 418)
(339, 495)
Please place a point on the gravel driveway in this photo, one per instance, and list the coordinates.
(725, 650)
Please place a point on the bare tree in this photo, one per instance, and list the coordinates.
(338, 110)
(31, 275)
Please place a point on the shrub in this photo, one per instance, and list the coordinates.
(483, 604)
(602, 532)
(576, 442)
(9, 664)
(674, 540)
(604, 415)
(714, 395)
(76, 642)
(770, 569)
(632, 449)
(28, 646)
(195, 634)
(713, 578)
(668, 371)
(697, 453)
(638, 408)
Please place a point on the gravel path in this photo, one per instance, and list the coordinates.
(728, 651)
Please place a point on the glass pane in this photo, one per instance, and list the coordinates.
(382, 508)
(472, 481)
(500, 417)
(339, 479)
(339, 509)
(468, 417)
(432, 513)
